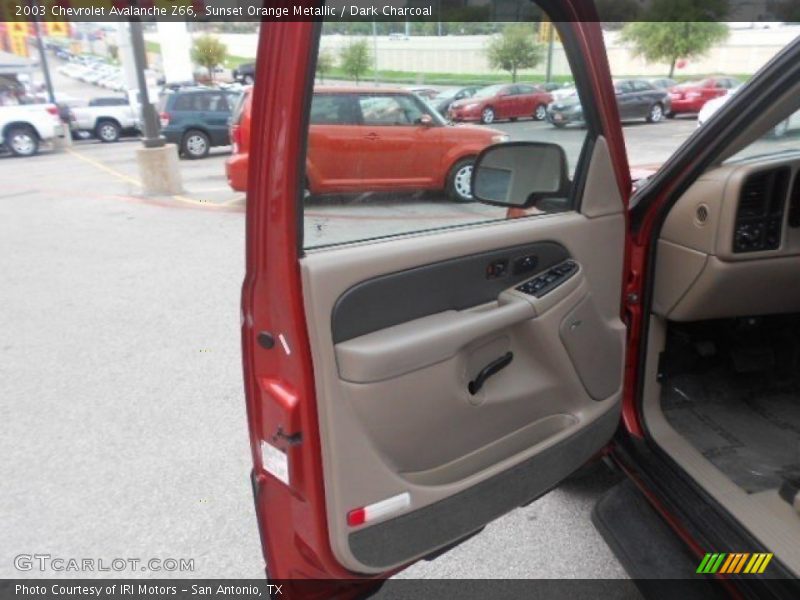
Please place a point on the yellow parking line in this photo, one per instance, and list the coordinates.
(132, 180)
(239, 200)
(106, 168)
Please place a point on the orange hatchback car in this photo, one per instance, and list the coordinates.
(360, 140)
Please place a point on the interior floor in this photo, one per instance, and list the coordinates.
(731, 388)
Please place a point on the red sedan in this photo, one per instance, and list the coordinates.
(691, 96)
(502, 102)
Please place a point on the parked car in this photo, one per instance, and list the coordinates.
(664, 83)
(372, 127)
(564, 92)
(636, 99)
(552, 86)
(245, 73)
(62, 53)
(424, 92)
(106, 118)
(503, 101)
(66, 104)
(24, 126)
(712, 107)
(196, 119)
(444, 99)
(690, 97)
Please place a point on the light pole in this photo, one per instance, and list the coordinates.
(150, 127)
(51, 97)
(375, 51)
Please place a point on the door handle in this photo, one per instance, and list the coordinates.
(371, 136)
(492, 368)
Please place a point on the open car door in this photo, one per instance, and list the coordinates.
(401, 392)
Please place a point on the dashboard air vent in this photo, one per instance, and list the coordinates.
(760, 212)
(794, 203)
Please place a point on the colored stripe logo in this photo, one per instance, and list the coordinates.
(734, 562)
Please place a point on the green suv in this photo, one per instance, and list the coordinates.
(196, 119)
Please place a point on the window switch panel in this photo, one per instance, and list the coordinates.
(549, 280)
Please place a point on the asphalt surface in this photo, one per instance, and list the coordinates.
(124, 423)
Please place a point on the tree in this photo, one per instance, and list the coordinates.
(356, 59)
(673, 29)
(514, 49)
(113, 51)
(667, 42)
(325, 62)
(209, 52)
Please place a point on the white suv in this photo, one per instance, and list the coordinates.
(23, 127)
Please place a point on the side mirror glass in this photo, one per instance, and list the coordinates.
(520, 174)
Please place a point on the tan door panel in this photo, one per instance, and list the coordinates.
(399, 329)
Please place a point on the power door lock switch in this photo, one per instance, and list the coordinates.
(526, 264)
(497, 269)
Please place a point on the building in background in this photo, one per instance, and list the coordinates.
(15, 35)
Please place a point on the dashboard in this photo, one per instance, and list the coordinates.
(730, 246)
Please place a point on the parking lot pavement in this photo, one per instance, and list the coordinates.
(123, 415)
(203, 180)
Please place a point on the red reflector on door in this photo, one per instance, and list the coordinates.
(384, 508)
(356, 517)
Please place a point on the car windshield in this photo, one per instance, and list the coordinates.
(489, 91)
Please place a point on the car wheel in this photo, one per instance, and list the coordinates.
(655, 114)
(248, 80)
(195, 144)
(22, 141)
(540, 114)
(459, 182)
(780, 129)
(559, 125)
(487, 116)
(107, 131)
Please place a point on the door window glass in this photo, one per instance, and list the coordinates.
(623, 87)
(389, 110)
(217, 103)
(400, 166)
(333, 109)
(184, 102)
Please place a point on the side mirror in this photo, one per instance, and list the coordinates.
(425, 121)
(521, 174)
